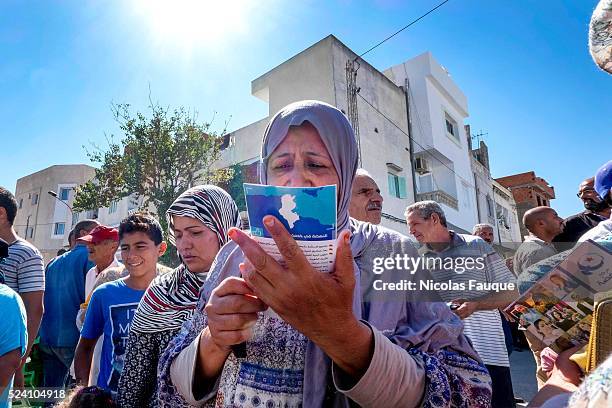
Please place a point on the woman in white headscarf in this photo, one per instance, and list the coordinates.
(315, 339)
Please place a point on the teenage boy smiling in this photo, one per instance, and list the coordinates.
(113, 304)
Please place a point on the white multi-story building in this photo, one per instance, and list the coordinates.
(45, 220)
(437, 110)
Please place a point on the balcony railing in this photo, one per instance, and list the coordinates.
(440, 197)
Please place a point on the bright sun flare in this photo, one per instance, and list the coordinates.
(190, 24)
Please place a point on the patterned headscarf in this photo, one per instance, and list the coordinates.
(209, 204)
(171, 298)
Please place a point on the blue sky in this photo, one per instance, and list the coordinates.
(524, 66)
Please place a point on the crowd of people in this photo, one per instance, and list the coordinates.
(232, 327)
(134, 333)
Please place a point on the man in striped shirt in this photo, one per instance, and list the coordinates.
(463, 262)
(22, 270)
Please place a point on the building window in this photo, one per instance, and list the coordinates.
(64, 194)
(34, 198)
(539, 200)
(20, 203)
(29, 232)
(59, 228)
(397, 185)
(451, 126)
(113, 207)
(75, 218)
(426, 183)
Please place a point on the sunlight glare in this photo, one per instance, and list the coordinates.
(189, 24)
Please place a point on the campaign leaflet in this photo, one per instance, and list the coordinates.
(558, 308)
(308, 213)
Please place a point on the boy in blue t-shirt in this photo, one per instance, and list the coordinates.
(113, 304)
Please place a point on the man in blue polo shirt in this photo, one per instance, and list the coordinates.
(65, 291)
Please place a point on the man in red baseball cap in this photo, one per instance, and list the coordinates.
(102, 243)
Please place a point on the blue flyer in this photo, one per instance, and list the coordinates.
(308, 213)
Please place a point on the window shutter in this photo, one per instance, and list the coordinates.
(391, 180)
(402, 187)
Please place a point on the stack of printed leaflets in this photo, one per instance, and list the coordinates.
(558, 308)
(308, 214)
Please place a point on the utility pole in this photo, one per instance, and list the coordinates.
(351, 98)
(496, 220)
(410, 143)
(27, 226)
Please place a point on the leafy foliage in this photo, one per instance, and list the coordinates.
(159, 157)
(235, 188)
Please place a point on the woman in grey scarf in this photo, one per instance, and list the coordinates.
(316, 339)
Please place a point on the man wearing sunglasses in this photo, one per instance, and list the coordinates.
(596, 210)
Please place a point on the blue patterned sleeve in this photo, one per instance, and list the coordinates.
(168, 394)
(453, 379)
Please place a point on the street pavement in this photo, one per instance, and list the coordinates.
(522, 368)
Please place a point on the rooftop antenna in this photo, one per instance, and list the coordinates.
(479, 137)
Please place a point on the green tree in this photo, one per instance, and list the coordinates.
(158, 157)
(234, 186)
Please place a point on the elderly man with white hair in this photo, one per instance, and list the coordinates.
(478, 308)
(484, 231)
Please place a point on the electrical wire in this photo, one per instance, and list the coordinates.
(469, 184)
(403, 28)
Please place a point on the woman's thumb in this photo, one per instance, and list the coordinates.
(344, 255)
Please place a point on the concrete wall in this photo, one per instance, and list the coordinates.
(48, 211)
(244, 144)
(307, 75)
